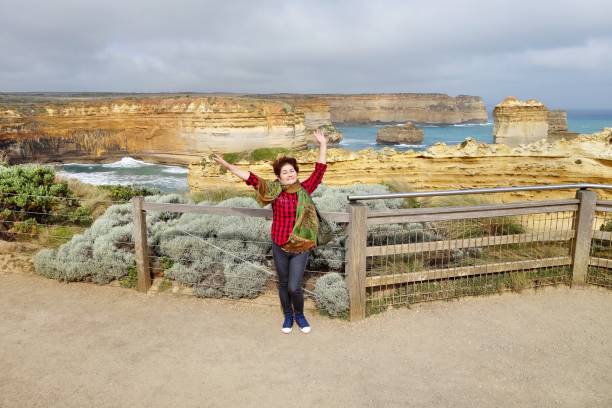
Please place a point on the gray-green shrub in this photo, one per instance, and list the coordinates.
(331, 294)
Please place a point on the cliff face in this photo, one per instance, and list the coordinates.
(175, 130)
(316, 114)
(403, 107)
(471, 164)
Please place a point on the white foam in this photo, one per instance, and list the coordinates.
(175, 170)
(127, 162)
(472, 124)
(110, 177)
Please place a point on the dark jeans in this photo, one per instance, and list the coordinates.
(290, 270)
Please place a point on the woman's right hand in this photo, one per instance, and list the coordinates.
(219, 160)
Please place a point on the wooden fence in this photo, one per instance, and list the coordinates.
(583, 208)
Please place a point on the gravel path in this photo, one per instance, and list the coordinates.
(78, 344)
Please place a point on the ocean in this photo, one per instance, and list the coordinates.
(128, 171)
(357, 137)
(174, 178)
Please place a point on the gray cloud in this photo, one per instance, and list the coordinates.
(559, 52)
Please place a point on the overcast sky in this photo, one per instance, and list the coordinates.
(559, 52)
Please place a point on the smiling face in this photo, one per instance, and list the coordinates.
(287, 174)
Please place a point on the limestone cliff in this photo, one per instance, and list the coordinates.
(175, 130)
(316, 114)
(587, 159)
(403, 107)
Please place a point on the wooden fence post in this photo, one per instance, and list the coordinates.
(583, 225)
(356, 260)
(140, 245)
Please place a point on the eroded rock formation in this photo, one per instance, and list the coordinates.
(587, 159)
(174, 130)
(403, 107)
(316, 114)
(557, 126)
(406, 133)
(519, 122)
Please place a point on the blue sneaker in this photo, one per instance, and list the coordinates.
(288, 323)
(302, 322)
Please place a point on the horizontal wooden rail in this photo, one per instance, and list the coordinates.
(462, 213)
(601, 262)
(445, 273)
(428, 217)
(603, 235)
(417, 247)
(232, 211)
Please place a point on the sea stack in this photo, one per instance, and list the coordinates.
(406, 133)
(557, 126)
(519, 122)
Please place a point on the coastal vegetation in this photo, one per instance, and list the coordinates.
(230, 256)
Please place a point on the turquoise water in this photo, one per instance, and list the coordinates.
(359, 137)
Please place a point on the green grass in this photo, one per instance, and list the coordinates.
(405, 263)
(606, 227)
(268, 153)
(130, 280)
(265, 153)
(125, 193)
(599, 276)
(215, 195)
(401, 186)
(164, 285)
(233, 158)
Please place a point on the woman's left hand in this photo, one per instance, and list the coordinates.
(318, 134)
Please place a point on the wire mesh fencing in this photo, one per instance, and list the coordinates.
(47, 220)
(600, 261)
(452, 254)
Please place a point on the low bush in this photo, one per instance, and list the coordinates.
(331, 294)
(126, 193)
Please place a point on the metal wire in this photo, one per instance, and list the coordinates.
(490, 254)
(599, 271)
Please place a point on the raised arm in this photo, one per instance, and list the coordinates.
(318, 134)
(243, 174)
(312, 182)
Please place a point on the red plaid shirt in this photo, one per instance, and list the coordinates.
(285, 205)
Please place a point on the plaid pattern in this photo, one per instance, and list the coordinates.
(284, 207)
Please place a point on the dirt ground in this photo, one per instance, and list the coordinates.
(78, 344)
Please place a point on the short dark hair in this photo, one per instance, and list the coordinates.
(281, 161)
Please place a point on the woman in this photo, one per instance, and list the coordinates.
(294, 225)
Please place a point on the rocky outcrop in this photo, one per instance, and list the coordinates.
(587, 159)
(557, 126)
(403, 107)
(175, 130)
(519, 122)
(401, 134)
(316, 115)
